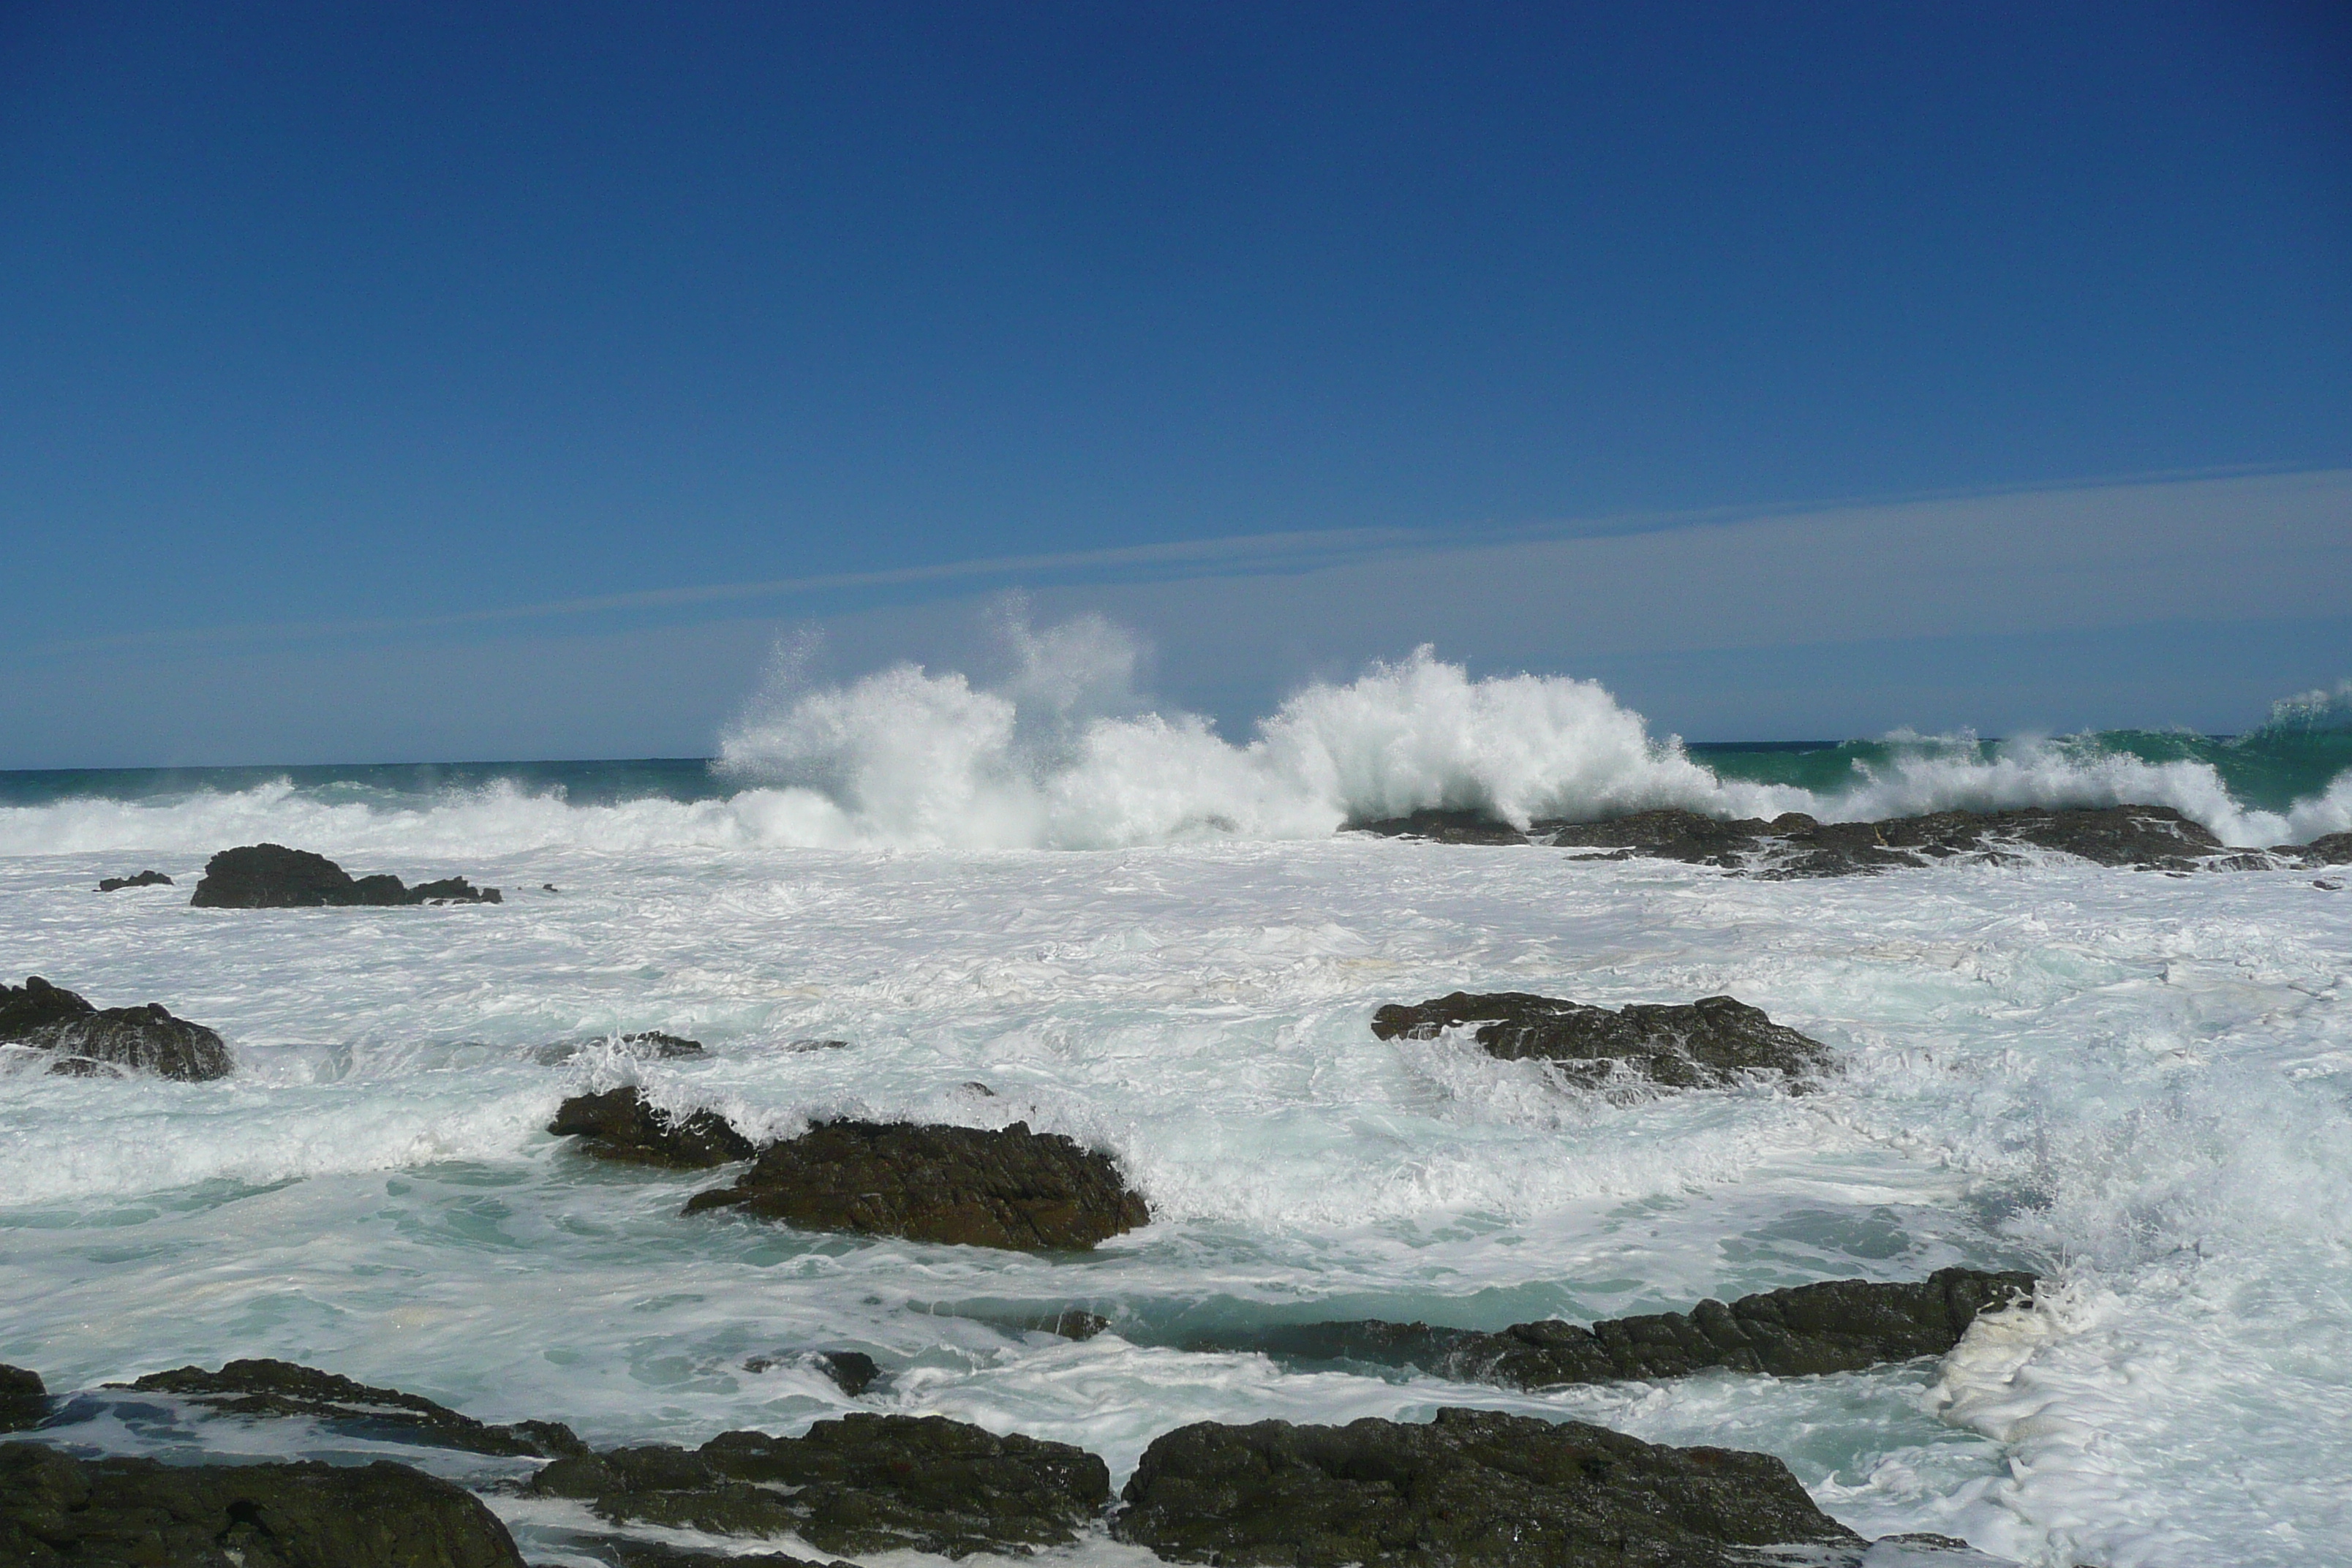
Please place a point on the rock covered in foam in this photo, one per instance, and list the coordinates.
(272, 877)
(263, 1388)
(90, 1039)
(1842, 1325)
(57, 1510)
(1470, 1488)
(863, 1483)
(1008, 1187)
(1711, 1042)
(622, 1125)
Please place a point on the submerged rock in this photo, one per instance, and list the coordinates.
(860, 1484)
(144, 880)
(650, 1044)
(272, 877)
(852, 1372)
(57, 1510)
(88, 1039)
(278, 1388)
(1469, 1489)
(1710, 1043)
(1010, 1188)
(1843, 1325)
(622, 1125)
(623, 1552)
(1445, 826)
(24, 1399)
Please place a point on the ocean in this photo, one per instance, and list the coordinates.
(1042, 901)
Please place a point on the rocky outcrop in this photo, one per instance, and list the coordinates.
(2332, 849)
(24, 1399)
(269, 1388)
(622, 1125)
(88, 1039)
(1710, 1043)
(144, 880)
(1470, 1487)
(1843, 1325)
(272, 877)
(59, 1512)
(860, 1484)
(1010, 1188)
(1795, 844)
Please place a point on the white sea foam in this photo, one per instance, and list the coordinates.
(1061, 753)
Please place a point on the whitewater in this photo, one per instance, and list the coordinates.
(1038, 898)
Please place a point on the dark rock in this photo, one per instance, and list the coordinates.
(94, 1040)
(57, 1510)
(272, 877)
(1844, 1325)
(24, 1399)
(1076, 1323)
(278, 1388)
(622, 1552)
(852, 1372)
(144, 880)
(650, 1044)
(860, 1484)
(1445, 826)
(816, 1045)
(2334, 850)
(1469, 1489)
(620, 1124)
(1012, 1188)
(1710, 1043)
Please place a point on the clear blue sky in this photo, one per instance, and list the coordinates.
(371, 325)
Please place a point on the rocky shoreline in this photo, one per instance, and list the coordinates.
(1793, 845)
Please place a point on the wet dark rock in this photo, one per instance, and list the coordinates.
(272, 877)
(2332, 849)
(622, 1552)
(1710, 1043)
(814, 1045)
(24, 1399)
(88, 1039)
(57, 1510)
(144, 880)
(861, 1484)
(1076, 1323)
(1010, 1188)
(1469, 1489)
(280, 1388)
(649, 1045)
(1445, 826)
(621, 1124)
(1843, 1325)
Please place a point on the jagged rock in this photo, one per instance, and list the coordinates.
(860, 1484)
(622, 1552)
(852, 1372)
(272, 1388)
(1445, 826)
(1710, 1043)
(88, 1039)
(24, 1399)
(2332, 850)
(621, 1124)
(59, 1512)
(1796, 844)
(1469, 1489)
(272, 877)
(144, 880)
(1843, 1325)
(1011, 1188)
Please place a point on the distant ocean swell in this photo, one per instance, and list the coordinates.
(1063, 755)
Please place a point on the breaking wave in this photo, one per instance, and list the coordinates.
(1063, 753)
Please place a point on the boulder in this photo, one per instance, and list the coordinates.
(1711, 1042)
(275, 1388)
(144, 880)
(57, 1511)
(88, 1039)
(1843, 1325)
(622, 1125)
(852, 1372)
(860, 1484)
(1469, 1489)
(272, 877)
(1010, 1188)
(24, 1399)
